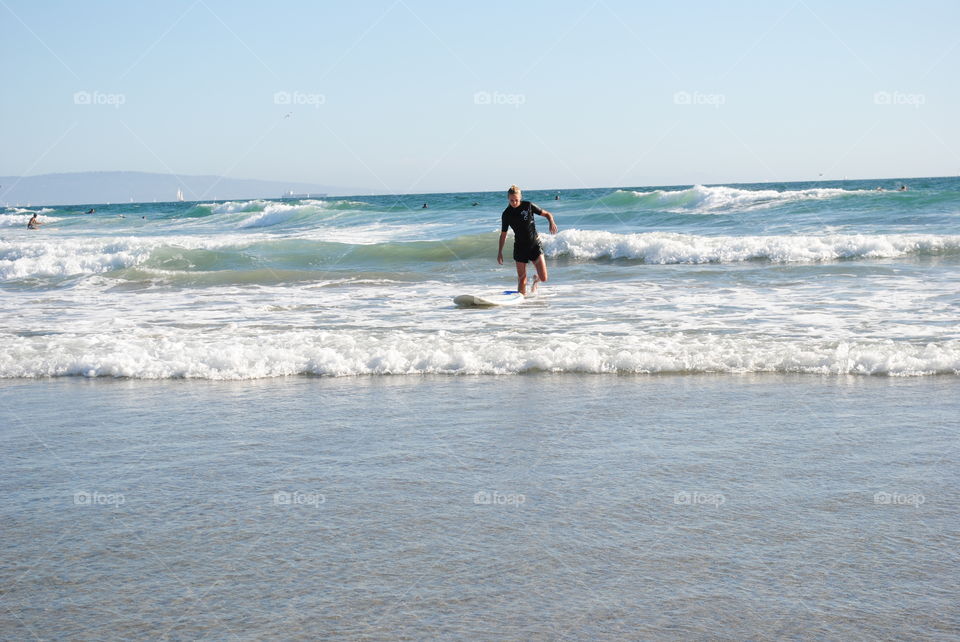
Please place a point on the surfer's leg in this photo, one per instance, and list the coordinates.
(521, 277)
(541, 264)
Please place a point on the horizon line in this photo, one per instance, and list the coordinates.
(376, 193)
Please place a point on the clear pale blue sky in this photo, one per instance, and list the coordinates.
(778, 91)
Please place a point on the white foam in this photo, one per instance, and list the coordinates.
(232, 207)
(337, 204)
(714, 199)
(274, 214)
(375, 233)
(64, 257)
(261, 213)
(43, 255)
(21, 218)
(27, 210)
(231, 354)
(666, 248)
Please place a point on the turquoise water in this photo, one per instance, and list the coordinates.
(823, 278)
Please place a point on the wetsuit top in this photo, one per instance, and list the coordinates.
(520, 219)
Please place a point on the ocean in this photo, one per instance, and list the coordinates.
(799, 277)
(730, 413)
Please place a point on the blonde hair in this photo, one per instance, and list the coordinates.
(514, 190)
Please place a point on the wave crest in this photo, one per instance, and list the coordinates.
(397, 245)
(61, 257)
(719, 199)
(227, 355)
(22, 217)
(666, 248)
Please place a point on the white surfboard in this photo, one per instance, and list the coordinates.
(504, 297)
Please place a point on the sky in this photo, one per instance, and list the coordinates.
(404, 96)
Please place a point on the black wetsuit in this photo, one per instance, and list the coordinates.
(526, 242)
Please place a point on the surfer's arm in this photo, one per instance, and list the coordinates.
(547, 215)
(503, 239)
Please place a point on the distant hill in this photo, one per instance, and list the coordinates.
(82, 188)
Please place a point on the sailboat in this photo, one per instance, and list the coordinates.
(179, 195)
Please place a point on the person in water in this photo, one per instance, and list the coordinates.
(526, 243)
(34, 222)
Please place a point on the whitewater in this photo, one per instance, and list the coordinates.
(825, 279)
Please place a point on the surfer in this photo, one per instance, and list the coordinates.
(34, 223)
(526, 243)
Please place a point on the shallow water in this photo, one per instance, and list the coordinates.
(536, 506)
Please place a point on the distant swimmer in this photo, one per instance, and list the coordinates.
(91, 211)
(424, 206)
(526, 242)
(903, 188)
(474, 204)
(880, 189)
(557, 197)
(34, 223)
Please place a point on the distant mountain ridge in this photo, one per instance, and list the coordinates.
(94, 188)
